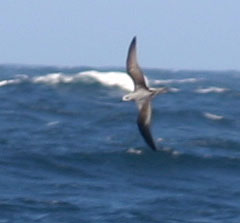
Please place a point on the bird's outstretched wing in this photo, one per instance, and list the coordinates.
(144, 121)
(133, 68)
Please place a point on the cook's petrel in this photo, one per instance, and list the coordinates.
(142, 95)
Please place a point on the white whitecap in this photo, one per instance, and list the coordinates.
(55, 78)
(174, 90)
(213, 116)
(119, 79)
(113, 78)
(9, 82)
(178, 81)
(211, 90)
(135, 151)
(19, 79)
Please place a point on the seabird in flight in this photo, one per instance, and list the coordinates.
(142, 95)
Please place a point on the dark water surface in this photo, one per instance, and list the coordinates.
(71, 151)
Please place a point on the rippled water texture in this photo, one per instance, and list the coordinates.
(71, 151)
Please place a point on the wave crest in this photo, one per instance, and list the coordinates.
(119, 79)
(177, 81)
(55, 78)
(9, 82)
(211, 90)
(213, 116)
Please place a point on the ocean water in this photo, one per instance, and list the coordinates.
(70, 150)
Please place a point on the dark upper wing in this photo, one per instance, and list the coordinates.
(133, 68)
(144, 121)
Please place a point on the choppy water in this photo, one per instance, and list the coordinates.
(70, 150)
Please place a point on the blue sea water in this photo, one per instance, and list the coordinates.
(70, 150)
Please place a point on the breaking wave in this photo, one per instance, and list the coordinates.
(119, 79)
(9, 82)
(110, 79)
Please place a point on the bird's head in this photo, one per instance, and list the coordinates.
(127, 97)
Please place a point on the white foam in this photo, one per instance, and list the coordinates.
(9, 82)
(172, 151)
(178, 81)
(213, 116)
(119, 79)
(55, 78)
(174, 89)
(53, 123)
(211, 90)
(135, 151)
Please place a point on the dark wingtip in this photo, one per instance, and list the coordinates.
(134, 41)
(154, 147)
(131, 58)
